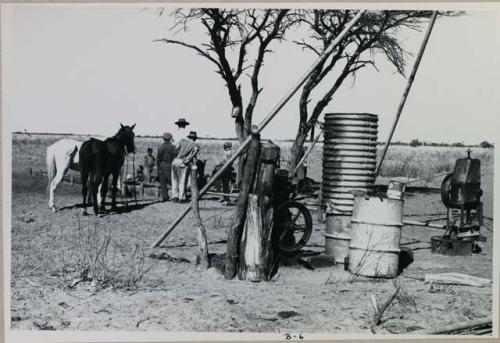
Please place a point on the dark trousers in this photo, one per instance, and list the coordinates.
(165, 172)
(226, 181)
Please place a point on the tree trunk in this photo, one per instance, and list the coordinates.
(297, 148)
(240, 212)
(256, 253)
(202, 235)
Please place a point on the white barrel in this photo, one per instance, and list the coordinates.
(375, 236)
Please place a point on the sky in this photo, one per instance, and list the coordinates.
(86, 68)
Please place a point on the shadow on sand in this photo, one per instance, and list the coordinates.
(121, 207)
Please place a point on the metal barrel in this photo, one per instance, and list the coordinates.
(375, 236)
(349, 163)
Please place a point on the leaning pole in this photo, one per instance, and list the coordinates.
(407, 89)
(264, 123)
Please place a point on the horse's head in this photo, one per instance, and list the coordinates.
(126, 137)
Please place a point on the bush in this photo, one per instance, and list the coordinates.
(92, 254)
(486, 145)
(415, 142)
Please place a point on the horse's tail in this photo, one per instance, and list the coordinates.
(51, 167)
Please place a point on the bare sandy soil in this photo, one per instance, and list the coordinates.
(176, 296)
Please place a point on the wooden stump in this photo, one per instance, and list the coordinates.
(269, 158)
(256, 250)
(236, 229)
(202, 235)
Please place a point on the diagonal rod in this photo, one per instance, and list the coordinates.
(407, 89)
(302, 160)
(264, 123)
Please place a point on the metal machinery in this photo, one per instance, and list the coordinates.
(293, 220)
(461, 194)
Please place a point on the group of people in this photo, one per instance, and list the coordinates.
(174, 160)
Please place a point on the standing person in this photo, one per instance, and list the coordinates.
(149, 165)
(165, 157)
(226, 175)
(187, 151)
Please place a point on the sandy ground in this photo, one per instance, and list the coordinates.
(176, 296)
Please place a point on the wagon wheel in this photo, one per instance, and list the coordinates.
(294, 223)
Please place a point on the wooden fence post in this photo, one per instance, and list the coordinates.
(202, 235)
(234, 235)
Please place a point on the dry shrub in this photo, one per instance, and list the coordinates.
(95, 255)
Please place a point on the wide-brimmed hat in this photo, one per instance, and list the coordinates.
(167, 136)
(182, 122)
(192, 135)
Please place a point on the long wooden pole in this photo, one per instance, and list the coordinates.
(302, 160)
(407, 89)
(266, 121)
(202, 234)
(454, 327)
(426, 224)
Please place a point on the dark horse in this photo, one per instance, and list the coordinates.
(100, 159)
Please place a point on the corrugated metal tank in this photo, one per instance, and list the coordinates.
(349, 162)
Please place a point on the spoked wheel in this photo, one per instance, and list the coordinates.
(295, 226)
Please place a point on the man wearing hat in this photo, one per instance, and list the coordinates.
(187, 151)
(164, 158)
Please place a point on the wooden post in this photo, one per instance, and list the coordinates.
(407, 89)
(269, 157)
(256, 251)
(257, 247)
(320, 204)
(240, 212)
(202, 235)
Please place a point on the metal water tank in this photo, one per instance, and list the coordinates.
(349, 162)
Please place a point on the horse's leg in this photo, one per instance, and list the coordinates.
(116, 174)
(84, 176)
(104, 191)
(62, 164)
(95, 180)
(89, 197)
(53, 185)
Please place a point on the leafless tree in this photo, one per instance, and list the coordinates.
(237, 41)
(378, 32)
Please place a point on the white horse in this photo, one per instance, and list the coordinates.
(62, 156)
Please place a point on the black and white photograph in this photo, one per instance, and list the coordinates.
(278, 171)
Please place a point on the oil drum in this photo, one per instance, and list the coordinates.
(375, 236)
